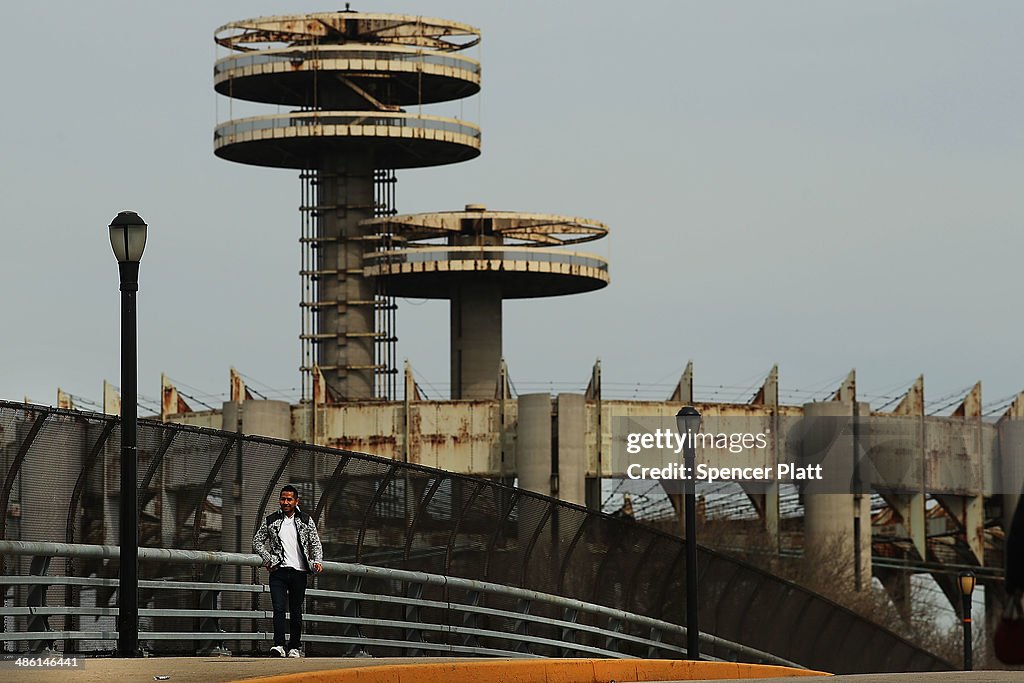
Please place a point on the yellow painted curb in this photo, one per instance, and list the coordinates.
(545, 671)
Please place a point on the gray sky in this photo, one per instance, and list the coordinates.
(824, 185)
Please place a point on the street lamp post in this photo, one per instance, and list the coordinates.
(967, 581)
(688, 423)
(128, 239)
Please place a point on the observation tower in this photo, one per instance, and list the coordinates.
(347, 77)
(476, 258)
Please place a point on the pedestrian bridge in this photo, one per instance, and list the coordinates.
(423, 561)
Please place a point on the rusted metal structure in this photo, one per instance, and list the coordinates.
(936, 493)
(348, 78)
(476, 258)
(202, 489)
(352, 76)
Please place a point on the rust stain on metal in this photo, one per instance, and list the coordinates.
(414, 448)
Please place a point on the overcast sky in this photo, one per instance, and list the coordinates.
(821, 185)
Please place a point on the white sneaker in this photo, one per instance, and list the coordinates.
(278, 651)
(294, 653)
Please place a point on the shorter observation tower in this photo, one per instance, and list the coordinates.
(476, 258)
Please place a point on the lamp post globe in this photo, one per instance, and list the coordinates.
(688, 423)
(688, 420)
(128, 240)
(128, 237)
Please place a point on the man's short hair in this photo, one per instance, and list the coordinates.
(292, 489)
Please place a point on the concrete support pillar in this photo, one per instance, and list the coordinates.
(475, 340)
(572, 450)
(829, 518)
(272, 419)
(346, 315)
(533, 443)
(911, 509)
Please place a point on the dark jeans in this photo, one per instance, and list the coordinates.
(287, 589)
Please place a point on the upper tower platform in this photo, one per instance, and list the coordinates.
(335, 67)
(397, 60)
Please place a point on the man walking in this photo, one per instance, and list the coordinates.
(290, 547)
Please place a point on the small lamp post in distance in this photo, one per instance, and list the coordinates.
(967, 581)
(688, 423)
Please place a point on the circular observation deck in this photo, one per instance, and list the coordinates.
(347, 76)
(514, 228)
(326, 28)
(435, 272)
(301, 139)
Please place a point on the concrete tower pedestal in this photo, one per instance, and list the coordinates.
(837, 526)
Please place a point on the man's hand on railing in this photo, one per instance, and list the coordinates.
(317, 567)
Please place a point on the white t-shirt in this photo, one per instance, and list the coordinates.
(290, 540)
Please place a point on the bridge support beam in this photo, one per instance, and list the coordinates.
(968, 512)
(897, 584)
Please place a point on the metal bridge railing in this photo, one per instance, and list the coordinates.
(457, 621)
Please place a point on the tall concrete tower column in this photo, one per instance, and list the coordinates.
(346, 334)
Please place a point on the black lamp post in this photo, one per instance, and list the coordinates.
(967, 581)
(128, 239)
(688, 423)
